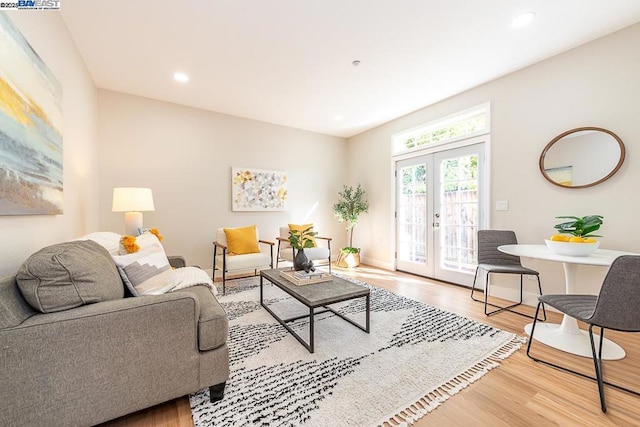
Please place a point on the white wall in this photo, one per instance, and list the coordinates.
(596, 84)
(23, 235)
(185, 156)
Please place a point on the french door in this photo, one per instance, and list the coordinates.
(439, 208)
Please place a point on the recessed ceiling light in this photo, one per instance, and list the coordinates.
(181, 77)
(356, 63)
(523, 19)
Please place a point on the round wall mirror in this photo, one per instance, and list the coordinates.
(582, 157)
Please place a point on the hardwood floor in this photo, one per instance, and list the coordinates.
(520, 392)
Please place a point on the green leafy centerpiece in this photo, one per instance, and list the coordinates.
(301, 240)
(575, 237)
(579, 230)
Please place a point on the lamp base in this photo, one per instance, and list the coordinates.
(132, 221)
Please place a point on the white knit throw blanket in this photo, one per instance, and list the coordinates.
(189, 276)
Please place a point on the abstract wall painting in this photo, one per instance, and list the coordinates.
(30, 129)
(258, 190)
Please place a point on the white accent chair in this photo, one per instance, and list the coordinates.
(225, 262)
(286, 252)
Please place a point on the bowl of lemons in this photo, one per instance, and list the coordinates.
(563, 244)
(575, 237)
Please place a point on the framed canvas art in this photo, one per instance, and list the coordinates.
(258, 190)
(30, 129)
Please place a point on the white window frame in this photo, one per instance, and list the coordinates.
(439, 124)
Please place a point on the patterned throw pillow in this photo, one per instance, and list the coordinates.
(147, 271)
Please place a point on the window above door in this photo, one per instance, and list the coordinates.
(472, 122)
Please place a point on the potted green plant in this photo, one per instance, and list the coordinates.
(575, 237)
(300, 240)
(351, 203)
(581, 228)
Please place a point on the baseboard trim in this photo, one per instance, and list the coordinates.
(377, 263)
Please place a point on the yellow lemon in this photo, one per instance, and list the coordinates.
(560, 238)
(590, 240)
(576, 239)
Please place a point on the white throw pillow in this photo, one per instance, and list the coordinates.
(108, 240)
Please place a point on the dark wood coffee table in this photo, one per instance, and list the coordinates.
(313, 296)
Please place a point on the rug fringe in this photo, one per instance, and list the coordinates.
(413, 412)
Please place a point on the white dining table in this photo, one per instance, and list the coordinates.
(566, 336)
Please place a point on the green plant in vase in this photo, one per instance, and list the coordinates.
(301, 240)
(578, 230)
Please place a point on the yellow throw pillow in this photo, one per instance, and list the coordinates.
(300, 228)
(242, 240)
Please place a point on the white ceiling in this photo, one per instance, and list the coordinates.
(290, 61)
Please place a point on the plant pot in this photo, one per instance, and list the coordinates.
(348, 259)
(300, 261)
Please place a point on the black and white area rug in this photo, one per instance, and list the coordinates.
(415, 358)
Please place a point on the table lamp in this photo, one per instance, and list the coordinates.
(133, 201)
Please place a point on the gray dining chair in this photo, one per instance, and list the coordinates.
(492, 261)
(615, 308)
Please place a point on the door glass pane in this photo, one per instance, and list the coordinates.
(412, 216)
(459, 209)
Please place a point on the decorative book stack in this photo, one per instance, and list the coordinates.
(302, 278)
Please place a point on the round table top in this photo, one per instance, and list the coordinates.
(602, 257)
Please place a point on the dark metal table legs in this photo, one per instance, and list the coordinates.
(312, 313)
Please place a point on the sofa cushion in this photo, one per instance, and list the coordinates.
(245, 262)
(68, 275)
(213, 326)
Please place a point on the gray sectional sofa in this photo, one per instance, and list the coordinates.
(107, 356)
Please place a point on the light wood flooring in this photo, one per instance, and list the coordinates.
(520, 392)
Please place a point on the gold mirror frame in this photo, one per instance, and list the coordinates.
(562, 135)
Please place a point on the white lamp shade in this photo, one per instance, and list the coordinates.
(132, 199)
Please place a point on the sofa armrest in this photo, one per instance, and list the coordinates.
(213, 326)
(133, 353)
(266, 242)
(177, 261)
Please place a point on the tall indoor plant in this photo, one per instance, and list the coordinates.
(351, 203)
